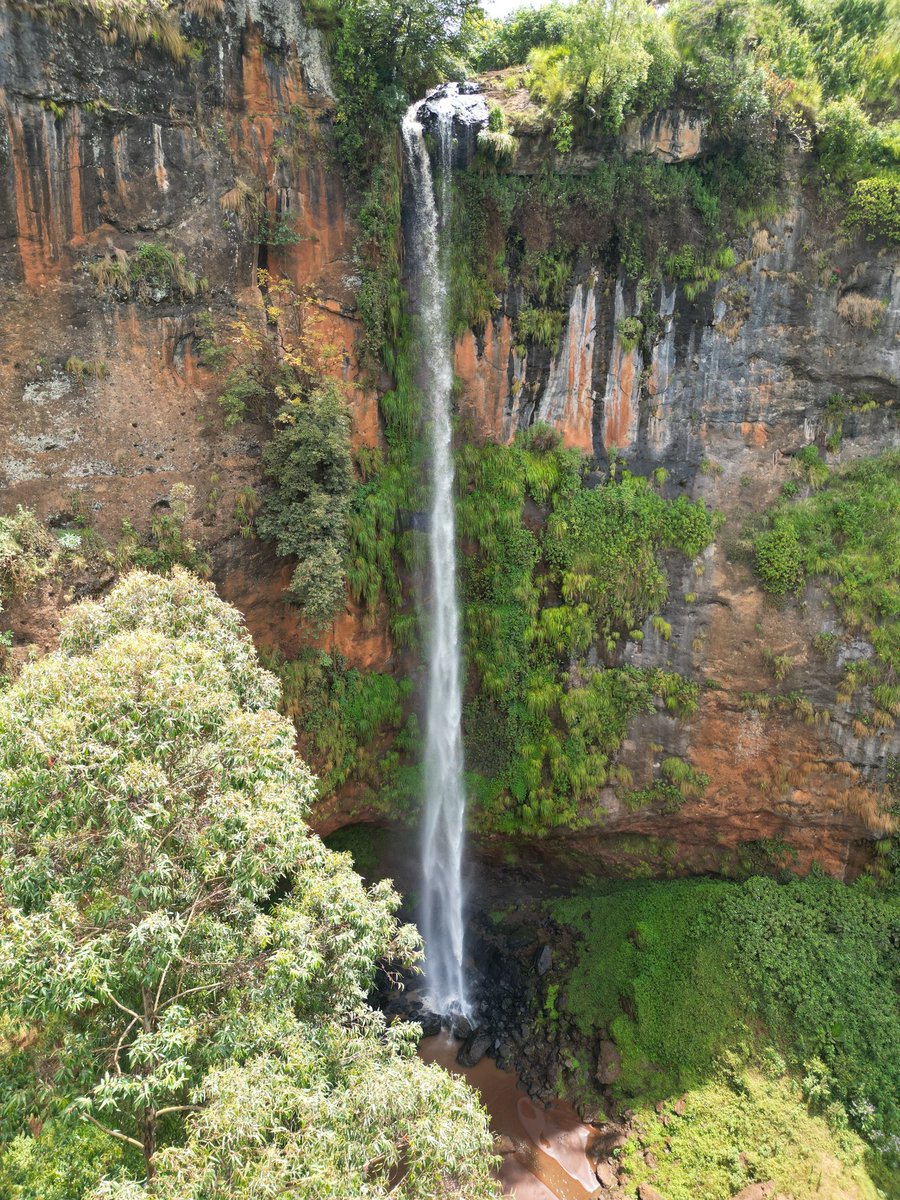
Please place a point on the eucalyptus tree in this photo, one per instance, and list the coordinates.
(184, 965)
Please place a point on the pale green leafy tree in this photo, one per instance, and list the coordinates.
(603, 60)
(189, 965)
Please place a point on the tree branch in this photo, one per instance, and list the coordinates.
(124, 1008)
(172, 1108)
(123, 1137)
(118, 1050)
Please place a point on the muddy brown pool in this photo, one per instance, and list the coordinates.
(549, 1160)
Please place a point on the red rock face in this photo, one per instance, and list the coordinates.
(490, 374)
(88, 180)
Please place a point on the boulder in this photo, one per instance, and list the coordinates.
(543, 960)
(459, 1026)
(430, 1022)
(464, 105)
(647, 1191)
(609, 1064)
(611, 1137)
(474, 1048)
(606, 1174)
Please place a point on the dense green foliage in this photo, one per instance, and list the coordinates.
(507, 43)
(765, 74)
(543, 726)
(353, 725)
(306, 511)
(849, 532)
(183, 966)
(384, 55)
(682, 973)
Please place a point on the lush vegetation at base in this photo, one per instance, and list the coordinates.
(183, 966)
(696, 978)
(354, 725)
(544, 723)
(749, 1124)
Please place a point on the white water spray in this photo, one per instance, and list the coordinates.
(443, 830)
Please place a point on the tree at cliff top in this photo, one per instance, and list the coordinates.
(384, 55)
(183, 965)
(607, 54)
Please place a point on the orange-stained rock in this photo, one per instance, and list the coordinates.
(491, 377)
(672, 135)
(567, 399)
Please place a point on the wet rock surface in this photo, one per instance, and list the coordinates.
(466, 106)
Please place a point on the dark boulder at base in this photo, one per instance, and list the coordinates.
(430, 1022)
(474, 1049)
(459, 1025)
(611, 1137)
(606, 1175)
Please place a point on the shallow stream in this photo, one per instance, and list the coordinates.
(546, 1149)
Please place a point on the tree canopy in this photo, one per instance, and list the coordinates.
(183, 965)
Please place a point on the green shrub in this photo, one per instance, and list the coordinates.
(152, 274)
(305, 513)
(28, 552)
(848, 532)
(779, 560)
(875, 207)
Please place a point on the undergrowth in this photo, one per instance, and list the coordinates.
(686, 974)
(351, 723)
(543, 726)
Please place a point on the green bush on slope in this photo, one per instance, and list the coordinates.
(681, 973)
(848, 532)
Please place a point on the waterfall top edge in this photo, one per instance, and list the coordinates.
(464, 102)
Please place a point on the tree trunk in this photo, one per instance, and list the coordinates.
(149, 1140)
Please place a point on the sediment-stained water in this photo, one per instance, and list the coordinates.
(547, 1155)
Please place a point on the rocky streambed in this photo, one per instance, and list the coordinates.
(517, 1049)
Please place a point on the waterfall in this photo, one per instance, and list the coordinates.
(442, 896)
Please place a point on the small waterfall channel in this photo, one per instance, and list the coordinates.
(443, 831)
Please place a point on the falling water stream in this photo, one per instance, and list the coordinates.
(546, 1158)
(442, 896)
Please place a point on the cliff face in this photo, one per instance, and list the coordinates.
(104, 149)
(736, 383)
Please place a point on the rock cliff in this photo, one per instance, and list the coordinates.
(105, 148)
